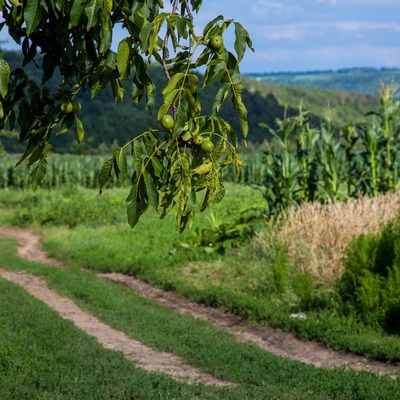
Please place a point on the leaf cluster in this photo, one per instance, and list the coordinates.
(74, 39)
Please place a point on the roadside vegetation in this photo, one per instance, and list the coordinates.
(306, 240)
(48, 357)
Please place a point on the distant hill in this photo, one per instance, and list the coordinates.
(355, 80)
(108, 124)
(349, 107)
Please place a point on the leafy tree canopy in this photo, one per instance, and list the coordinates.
(71, 40)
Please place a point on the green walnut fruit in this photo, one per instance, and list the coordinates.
(207, 146)
(216, 42)
(66, 107)
(167, 122)
(76, 107)
(198, 139)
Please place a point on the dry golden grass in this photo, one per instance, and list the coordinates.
(316, 235)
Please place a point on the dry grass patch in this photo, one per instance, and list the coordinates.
(317, 235)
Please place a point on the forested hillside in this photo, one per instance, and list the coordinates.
(102, 118)
(355, 80)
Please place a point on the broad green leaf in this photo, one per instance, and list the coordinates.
(168, 100)
(211, 24)
(1, 110)
(36, 155)
(182, 26)
(238, 165)
(137, 155)
(107, 6)
(157, 165)
(194, 104)
(192, 81)
(187, 220)
(152, 192)
(105, 33)
(196, 4)
(32, 15)
(215, 71)
(242, 40)
(242, 111)
(219, 149)
(132, 205)
(104, 174)
(203, 168)
(122, 164)
(206, 200)
(181, 206)
(4, 77)
(77, 11)
(219, 194)
(145, 34)
(117, 89)
(42, 151)
(91, 10)
(38, 173)
(174, 83)
(221, 95)
(80, 132)
(124, 57)
(150, 97)
(230, 156)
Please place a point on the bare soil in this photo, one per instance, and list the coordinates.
(273, 341)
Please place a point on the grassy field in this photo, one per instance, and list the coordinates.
(256, 278)
(43, 356)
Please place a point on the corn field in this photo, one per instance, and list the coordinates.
(62, 171)
(305, 163)
(301, 163)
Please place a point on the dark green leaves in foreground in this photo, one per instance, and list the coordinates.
(71, 42)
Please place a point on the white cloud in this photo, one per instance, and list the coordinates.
(294, 31)
(300, 30)
(321, 58)
(333, 2)
(352, 26)
(264, 9)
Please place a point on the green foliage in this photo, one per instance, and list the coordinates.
(75, 40)
(48, 357)
(306, 163)
(256, 282)
(222, 236)
(43, 360)
(370, 283)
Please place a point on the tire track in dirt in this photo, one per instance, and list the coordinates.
(110, 338)
(273, 341)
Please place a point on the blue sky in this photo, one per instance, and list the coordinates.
(309, 35)
(305, 35)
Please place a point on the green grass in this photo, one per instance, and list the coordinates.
(255, 284)
(43, 356)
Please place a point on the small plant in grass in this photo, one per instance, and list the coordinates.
(222, 236)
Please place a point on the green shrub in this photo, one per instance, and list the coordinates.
(371, 281)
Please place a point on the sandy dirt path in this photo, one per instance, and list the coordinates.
(274, 341)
